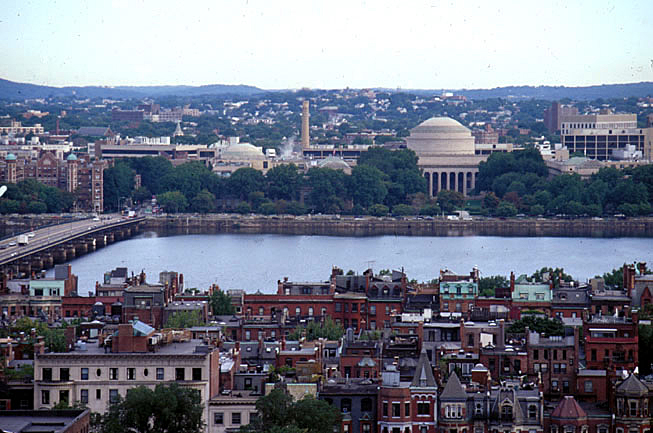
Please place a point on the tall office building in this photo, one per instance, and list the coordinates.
(553, 116)
(605, 136)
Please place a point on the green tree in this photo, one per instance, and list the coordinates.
(184, 319)
(284, 182)
(328, 190)
(118, 183)
(221, 303)
(615, 278)
(279, 414)
(487, 285)
(506, 209)
(244, 181)
(172, 201)
(403, 210)
(556, 275)
(541, 325)
(152, 170)
(203, 202)
(366, 185)
(314, 330)
(450, 200)
(378, 210)
(430, 210)
(166, 409)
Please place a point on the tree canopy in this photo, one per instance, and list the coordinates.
(540, 325)
(221, 303)
(166, 409)
(278, 413)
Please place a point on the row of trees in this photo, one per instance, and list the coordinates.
(32, 197)
(383, 181)
(173, 408)
(517, 182)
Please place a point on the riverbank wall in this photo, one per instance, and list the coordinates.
(345, 226)
(195, 224)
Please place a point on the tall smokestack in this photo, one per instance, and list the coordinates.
(305, 116)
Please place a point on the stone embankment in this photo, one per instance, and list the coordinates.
(349, 226)
(332, 226)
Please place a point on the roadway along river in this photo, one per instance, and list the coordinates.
(256, 262)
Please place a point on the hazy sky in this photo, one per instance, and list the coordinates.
(327, 44)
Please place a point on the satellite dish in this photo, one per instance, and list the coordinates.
(3, 189)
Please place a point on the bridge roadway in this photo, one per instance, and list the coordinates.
(50, 244)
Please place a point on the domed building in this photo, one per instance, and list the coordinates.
(231, 157)
(446, 154)
(335, 163)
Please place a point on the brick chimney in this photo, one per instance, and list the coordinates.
(501, 338)
(512, 281)
(39, 346)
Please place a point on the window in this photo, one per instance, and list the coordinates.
(180, 373)
(159, 373)
(83, 396)
(113, 395)
(47, 375)
(354, 308)
(84, 374)
(98, 372)
(589, 386)
(218, 418)
(366, 405)
(248, 335)
(235, 418)
(396, 410)
(63, 396)
(197, 373)
(565, 386)
(372, 309)
(532, 411)
(593, 356)
(113, 374)
(407, 409)
(310, 311)
(98, 394)
(338, 307)
(345, 405)
(131, 374)
(261, 311)
(633, 408)
(45, 397)
(423, 408)
(385, 408)
(64, 374)
(146, 372)
(470, 340)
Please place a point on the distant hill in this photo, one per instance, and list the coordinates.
(18, 91)
(553, 93)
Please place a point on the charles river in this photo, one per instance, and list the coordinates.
(256, 262)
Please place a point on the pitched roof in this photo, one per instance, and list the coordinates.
(423, 377)
(568, 408)
(632, 387)
(453, 390)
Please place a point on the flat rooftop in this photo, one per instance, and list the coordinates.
(94, 349)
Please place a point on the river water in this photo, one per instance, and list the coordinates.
(256, 262)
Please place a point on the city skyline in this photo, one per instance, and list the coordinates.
(428, 45)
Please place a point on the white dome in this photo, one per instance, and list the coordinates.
(334, 163)
(441, 136)
(244, 151)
